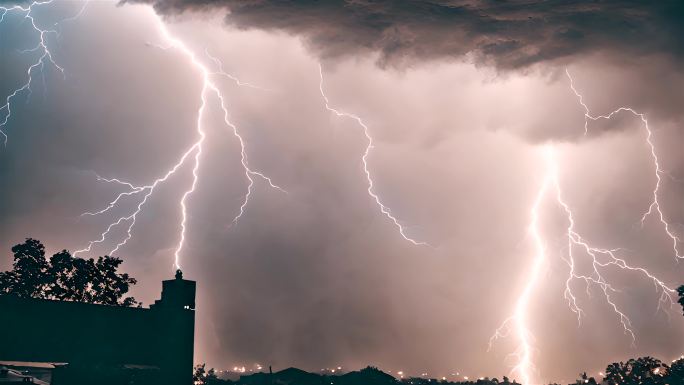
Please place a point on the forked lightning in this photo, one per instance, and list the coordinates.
(364, 159)
(578, 246)
(194, 152)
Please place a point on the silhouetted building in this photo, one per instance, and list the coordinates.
(105, 344)
(38, 373)
(13, 376)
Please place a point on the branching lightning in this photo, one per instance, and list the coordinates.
(233, 78)
(577, 247)
(654, 206)
(44, 59)
(194, 152)
(366, 131)
(141, 193)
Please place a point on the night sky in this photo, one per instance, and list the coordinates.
(473, 121)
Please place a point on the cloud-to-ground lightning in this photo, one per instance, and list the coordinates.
(194, 152)
(45, 58)
(364, 159)
(581, 251)
(524, 366)
(578, 246)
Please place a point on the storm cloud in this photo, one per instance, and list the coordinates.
(508, 35)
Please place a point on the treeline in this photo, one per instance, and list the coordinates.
(64, 277)
(639, 371)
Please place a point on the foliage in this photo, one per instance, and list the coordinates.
(65, 277)
(584, 379)
(202, 376)
(644, 370)
(676, 372)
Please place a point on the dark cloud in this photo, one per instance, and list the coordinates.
(508, 35)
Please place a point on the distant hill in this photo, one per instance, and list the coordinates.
(366, 376)
(290, 376)
(294, 376)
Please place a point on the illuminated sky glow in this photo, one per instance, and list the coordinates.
(385, 201)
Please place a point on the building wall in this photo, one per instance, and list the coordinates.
(87, 335)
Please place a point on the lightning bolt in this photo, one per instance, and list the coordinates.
(654, 206)
(233, 78)
(44, 59)
(364, 159)
(517, 323)
(192, 154)
(578, 246)
(600, 258)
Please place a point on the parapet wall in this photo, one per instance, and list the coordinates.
(81, 334)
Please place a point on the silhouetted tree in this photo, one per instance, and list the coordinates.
(680, 291)
(676, 373)
(202, 376)
(28, 276)
(644, 370)
(65, 277)
(584, 379)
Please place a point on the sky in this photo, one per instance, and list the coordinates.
(472, 118)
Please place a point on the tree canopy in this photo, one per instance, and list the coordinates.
(65, 277)
(202, 376)
(643, 370)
